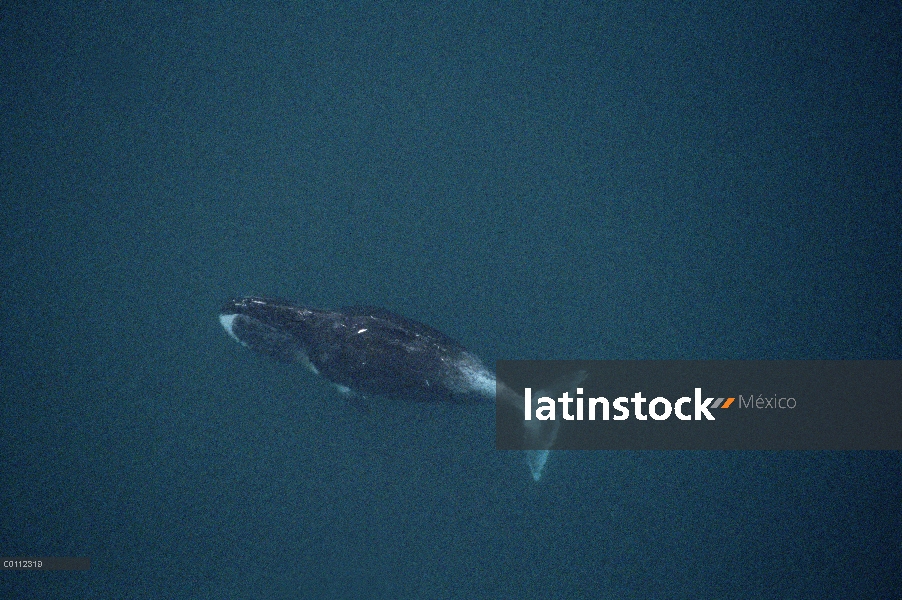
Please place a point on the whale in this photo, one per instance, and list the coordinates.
(370, 352)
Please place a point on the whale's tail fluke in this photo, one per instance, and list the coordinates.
(540, 435)
(536, 460)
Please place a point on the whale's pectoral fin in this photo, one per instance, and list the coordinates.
(542, 434)
(356, 400)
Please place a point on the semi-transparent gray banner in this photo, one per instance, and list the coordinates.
(697, 405)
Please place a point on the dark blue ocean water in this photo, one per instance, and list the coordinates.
(595, 181)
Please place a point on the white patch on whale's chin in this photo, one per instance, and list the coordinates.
(228, 323)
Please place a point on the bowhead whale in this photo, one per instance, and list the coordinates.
(366, 351)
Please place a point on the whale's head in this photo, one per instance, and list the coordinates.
(260, 324)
